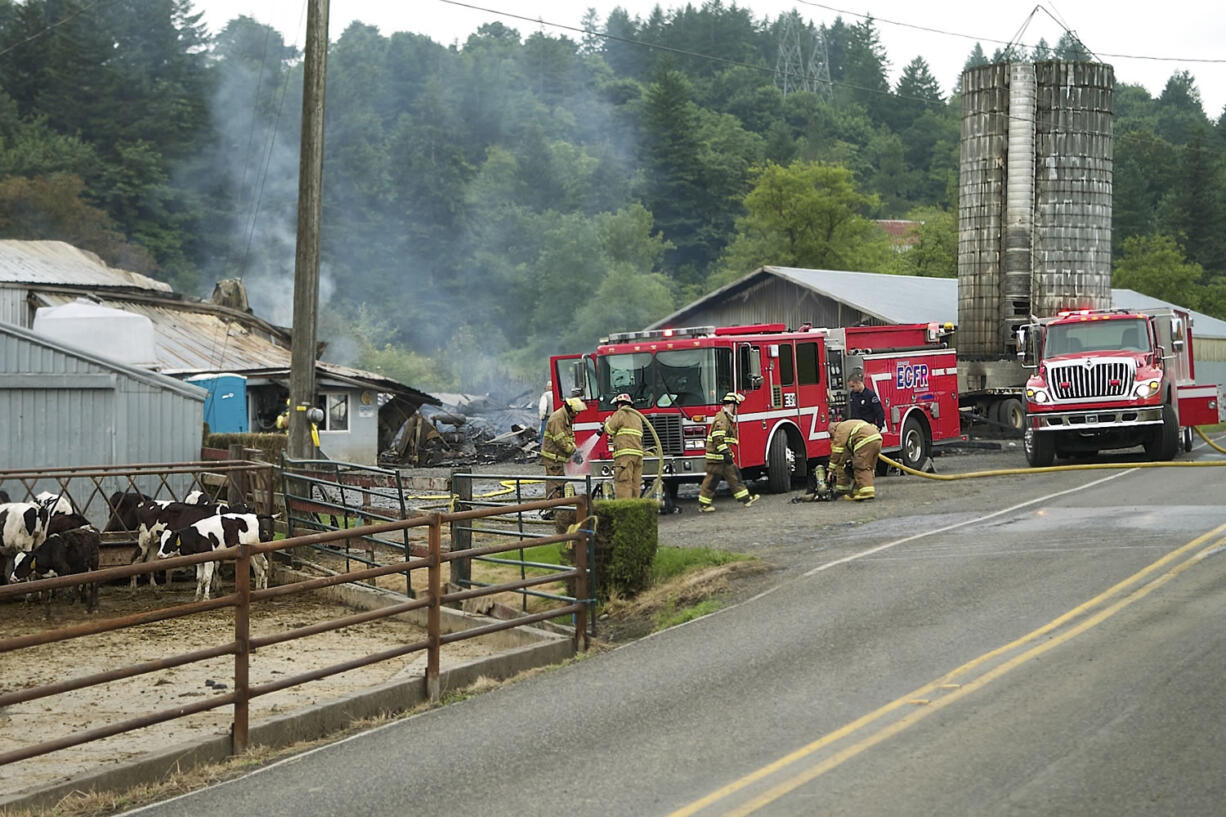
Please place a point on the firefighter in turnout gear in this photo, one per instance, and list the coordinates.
(559, 443)
(856, 442)
(625, 430)
(720, 462)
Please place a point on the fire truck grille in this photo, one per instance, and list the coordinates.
(1102, 379)
(668, 426)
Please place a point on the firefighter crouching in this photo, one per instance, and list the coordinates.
(720, 463)
(558, 447)
(857, 442)
(625, 430)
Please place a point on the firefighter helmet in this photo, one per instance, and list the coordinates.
(575, 404)
(734, 398)
(623, 398)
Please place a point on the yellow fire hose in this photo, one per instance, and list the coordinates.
(1084, 466)
(1212, 444)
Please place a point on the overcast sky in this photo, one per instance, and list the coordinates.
(1121, 33)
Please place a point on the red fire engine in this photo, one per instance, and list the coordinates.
(1113, 378)
(793, 383)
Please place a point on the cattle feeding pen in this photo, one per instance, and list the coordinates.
(241, 600)
(98, 492)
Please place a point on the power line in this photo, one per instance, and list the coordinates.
(931, 30)
(49, 28)
(798, 78)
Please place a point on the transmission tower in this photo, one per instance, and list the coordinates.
(818, 73)
(790, 64)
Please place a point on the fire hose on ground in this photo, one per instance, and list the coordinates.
(827, 492)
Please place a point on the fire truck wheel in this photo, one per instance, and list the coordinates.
(1040, 449)
(778, 469)
(1187, 439)
(1164, 444)
(1011, 414)
(915, 444)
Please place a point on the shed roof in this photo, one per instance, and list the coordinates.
(161, 381)
(197, 338)
(54, 262)
(905, 298)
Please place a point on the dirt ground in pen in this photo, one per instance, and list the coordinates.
(74, 712)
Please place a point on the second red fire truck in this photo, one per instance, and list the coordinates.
(794, 387)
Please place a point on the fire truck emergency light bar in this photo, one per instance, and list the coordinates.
(701, 331)
(687, 332)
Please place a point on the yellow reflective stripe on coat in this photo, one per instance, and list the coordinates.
(864, 440)
(549, 455)
(633, 432)
(625, 452)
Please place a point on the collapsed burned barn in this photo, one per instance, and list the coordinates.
(467, 430)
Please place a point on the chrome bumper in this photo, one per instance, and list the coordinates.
(673, 467)
(1096, 418)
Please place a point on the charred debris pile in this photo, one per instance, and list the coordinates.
(468, 429)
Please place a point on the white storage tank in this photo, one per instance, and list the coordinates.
(110, 333)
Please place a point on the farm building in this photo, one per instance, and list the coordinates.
(52, 287)
(63, 406)
(839, 298)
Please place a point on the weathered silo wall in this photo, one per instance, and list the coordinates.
(1073, 145)
(1034, 210)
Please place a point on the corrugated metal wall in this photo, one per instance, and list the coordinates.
(774, 300)
(58, 409)
(13, 307)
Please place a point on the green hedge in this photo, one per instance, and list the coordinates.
(271, 444)
(625, 548)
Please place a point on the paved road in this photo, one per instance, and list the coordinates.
(1022, 645)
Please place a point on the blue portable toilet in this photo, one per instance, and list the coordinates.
(225, 406)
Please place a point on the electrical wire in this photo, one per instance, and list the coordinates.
(56, 24)
(680, 51)
(947, 33)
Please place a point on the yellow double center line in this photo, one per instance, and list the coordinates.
(942, 692)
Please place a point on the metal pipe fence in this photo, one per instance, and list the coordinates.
(244, 644)
(96, 491)
(512, 521)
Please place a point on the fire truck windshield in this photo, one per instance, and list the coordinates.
(1124, 334)
(676, 377)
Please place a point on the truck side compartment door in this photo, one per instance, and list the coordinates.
(813, 417)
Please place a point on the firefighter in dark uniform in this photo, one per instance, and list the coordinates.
(856, 442)
(720, 462)
(625, 430)
(862, 402)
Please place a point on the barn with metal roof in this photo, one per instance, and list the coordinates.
(192, 338)
(64, 406)
(836, 298)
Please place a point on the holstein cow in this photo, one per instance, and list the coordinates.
(60, 522)
(123, 506)
(63, 554)
(54, 503)
(155, 516)
(215, 533)
(23, 527)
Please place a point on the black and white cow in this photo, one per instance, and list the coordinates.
(123, 505)
(4, 497)
(54, 503)
(215, 533)
(60, 522)
(23, 527)
(155, 516)
(63, 554)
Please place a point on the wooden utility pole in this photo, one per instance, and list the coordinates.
(310, 210)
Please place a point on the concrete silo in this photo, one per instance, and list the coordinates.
(1034, 211)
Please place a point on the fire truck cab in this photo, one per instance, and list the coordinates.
(794, 384)
(1113, 378)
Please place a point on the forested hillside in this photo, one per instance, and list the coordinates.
(523, 192)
